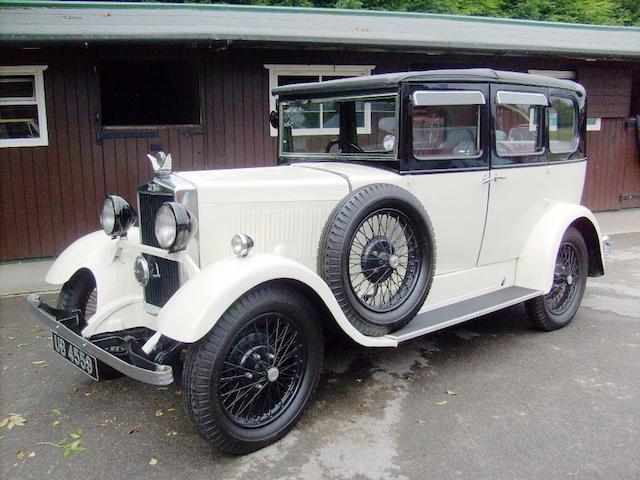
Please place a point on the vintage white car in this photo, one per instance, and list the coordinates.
(401, 204)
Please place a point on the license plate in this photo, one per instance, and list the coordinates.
(82, 360)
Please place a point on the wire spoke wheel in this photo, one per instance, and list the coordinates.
(565, 280)
(384, 260)
(262, 370)
(91, 305)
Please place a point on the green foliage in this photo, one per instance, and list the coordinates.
(602, 12)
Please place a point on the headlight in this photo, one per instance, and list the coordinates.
(117, 216)
(174, 226)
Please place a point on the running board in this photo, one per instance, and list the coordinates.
(443, 317)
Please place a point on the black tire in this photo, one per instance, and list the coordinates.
(79, 293)
(346, 271)
(557, 308)
(238, 356)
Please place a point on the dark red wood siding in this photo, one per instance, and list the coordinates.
(54, 193)
(51, 195)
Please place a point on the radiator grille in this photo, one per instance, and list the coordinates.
(167, 273)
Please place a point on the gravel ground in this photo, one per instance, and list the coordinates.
(489, 399)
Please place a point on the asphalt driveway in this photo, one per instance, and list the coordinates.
(490, 399)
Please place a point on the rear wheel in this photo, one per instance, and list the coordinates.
(247, 382)
(558, 307)
(80, 293)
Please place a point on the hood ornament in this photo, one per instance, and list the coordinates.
(161, 163)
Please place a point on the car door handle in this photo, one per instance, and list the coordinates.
(493, 178)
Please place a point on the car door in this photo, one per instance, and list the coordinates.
(518, 180)
(446, 151)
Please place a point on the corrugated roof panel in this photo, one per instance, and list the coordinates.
(107, 22)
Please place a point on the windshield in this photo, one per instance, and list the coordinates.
(354, 127)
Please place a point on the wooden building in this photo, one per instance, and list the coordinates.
(87, 89)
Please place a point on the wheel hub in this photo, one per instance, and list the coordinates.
(272, 374)
(378, 259)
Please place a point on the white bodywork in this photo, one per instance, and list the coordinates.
(489, 236)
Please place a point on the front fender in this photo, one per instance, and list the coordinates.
(194, 309)
(111, 265)
(536, 263)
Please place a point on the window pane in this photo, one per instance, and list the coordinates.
(303, 115)
(19, 121)
(149, 92)
(382, 136)
(293, 79)
(375, 136)
(19, 86)
(517, 129)
(562, 125)
(449, 131)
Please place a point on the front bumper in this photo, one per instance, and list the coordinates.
(147, 371)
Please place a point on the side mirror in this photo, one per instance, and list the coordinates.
(274, 120)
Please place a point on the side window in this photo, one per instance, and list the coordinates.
(323, 120)
(563, 126)
(446, 128)
(518, 126)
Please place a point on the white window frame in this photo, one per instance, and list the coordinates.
(276, 70)
(596, 126)
(559, 74)
(39, 100)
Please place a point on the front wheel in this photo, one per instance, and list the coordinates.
(247, 382)
(558, 307)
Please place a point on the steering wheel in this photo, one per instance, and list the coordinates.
(336, 141)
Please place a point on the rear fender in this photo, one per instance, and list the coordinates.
(537, 261)
(193, 311)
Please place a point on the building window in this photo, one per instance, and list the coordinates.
(322, 120)
(594, 124)
(23, 114)
(149, 92)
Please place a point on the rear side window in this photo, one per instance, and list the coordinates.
(563, 125)
(518, 128)
(446, 131)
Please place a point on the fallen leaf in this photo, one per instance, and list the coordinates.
(56, 423)
(362, 405)
(178, 392)
(451, 392)
(153, 461)
(133, 430)
(20, 454)
(444, 402)
(172, 433)
(13, 420)
(421, 422)
(38, 362)
(32, 454)
(56, 411)
(172, 409)
(159, 412)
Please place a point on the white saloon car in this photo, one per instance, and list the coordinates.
(401, 204)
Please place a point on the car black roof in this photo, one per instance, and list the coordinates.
(391, 81)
